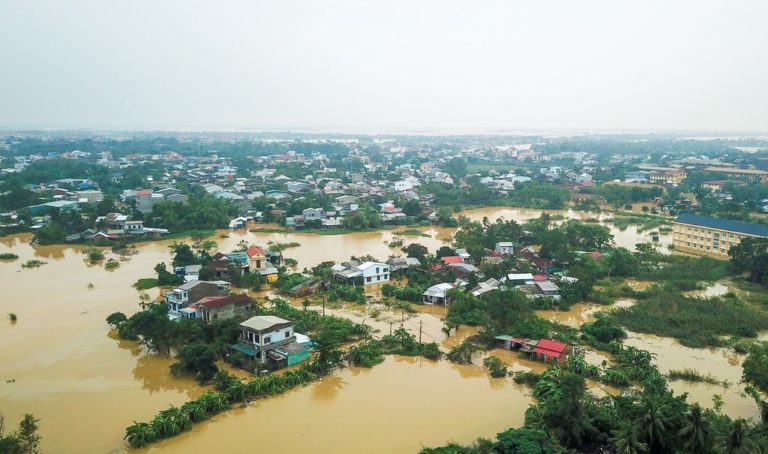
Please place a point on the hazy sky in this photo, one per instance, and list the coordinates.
(385, 65)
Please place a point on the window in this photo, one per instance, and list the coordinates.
(386, 270)
(287, 334)
(377, 270)
(268, 339)
(386, 276)
(368, 279)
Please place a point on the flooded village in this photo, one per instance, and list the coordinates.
(454, 313)
(81, 370)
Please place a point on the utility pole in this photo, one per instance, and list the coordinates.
(390, 328)
(420, 323)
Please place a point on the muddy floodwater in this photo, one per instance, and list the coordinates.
(401, 405)
(60, 362)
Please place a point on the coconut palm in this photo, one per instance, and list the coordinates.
(626, 442)
(139, 434)
(695, 431)
(738, 439)
(652, 424)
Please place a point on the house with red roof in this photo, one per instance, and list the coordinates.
(219, 307)
(550, 350)
(257, 259)
(452, 259)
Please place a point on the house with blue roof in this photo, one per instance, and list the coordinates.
(714, 237)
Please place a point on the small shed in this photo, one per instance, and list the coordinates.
(548, 349)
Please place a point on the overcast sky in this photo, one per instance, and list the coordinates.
(385, 65)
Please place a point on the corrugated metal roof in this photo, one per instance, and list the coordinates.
(724, 224)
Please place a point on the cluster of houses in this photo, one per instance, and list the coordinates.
(539, 285)
(265, 341)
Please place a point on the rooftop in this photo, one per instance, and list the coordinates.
(264, 322)
(724, 224)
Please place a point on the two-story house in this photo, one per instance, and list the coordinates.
(191, 292)
(212, 308)
(364, 273)
(266, 338)
(257, 259)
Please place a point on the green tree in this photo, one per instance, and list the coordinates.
(621, 262)
(25, 440)
(751, 255)
(412, 208)
(652, 423)
(198, 359)
(417, 251)
(695, 431)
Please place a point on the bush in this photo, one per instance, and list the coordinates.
(94, 255)
(756, 367)
(462, 353)
(111, 264)
(8, 256)
(495, 366)
(145, 283)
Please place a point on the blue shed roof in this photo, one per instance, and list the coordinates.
(724, 224)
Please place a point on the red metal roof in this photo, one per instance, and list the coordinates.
(255, 251)
(550, 347)
(546, 352)
(452, 259)
(539, 278)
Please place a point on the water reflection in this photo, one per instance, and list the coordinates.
(154, 373)
(328, 388)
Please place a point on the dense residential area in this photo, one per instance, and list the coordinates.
(111, 189)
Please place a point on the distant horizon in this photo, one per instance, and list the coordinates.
(434, 132)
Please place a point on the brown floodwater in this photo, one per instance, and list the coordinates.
(627, 238)
(60, 362)
(723, 364)
(411, 399)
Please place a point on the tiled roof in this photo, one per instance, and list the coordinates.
(213, 302)
(724, 224)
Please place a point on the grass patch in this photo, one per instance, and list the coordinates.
(645, 222)
(111, 264)
(33, 264)
(687, 273)
(692, 375)
(145, 283)
(8, 256)
(695, 322)
(413, 232)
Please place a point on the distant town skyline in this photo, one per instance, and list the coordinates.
(438, 67)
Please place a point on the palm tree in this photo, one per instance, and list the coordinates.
(695, 430)
(626, 442)
(738, 439)
(652, 424)
(236, 392)
(195, 410)
(214, 402)
(549, 384)
(139, 434)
